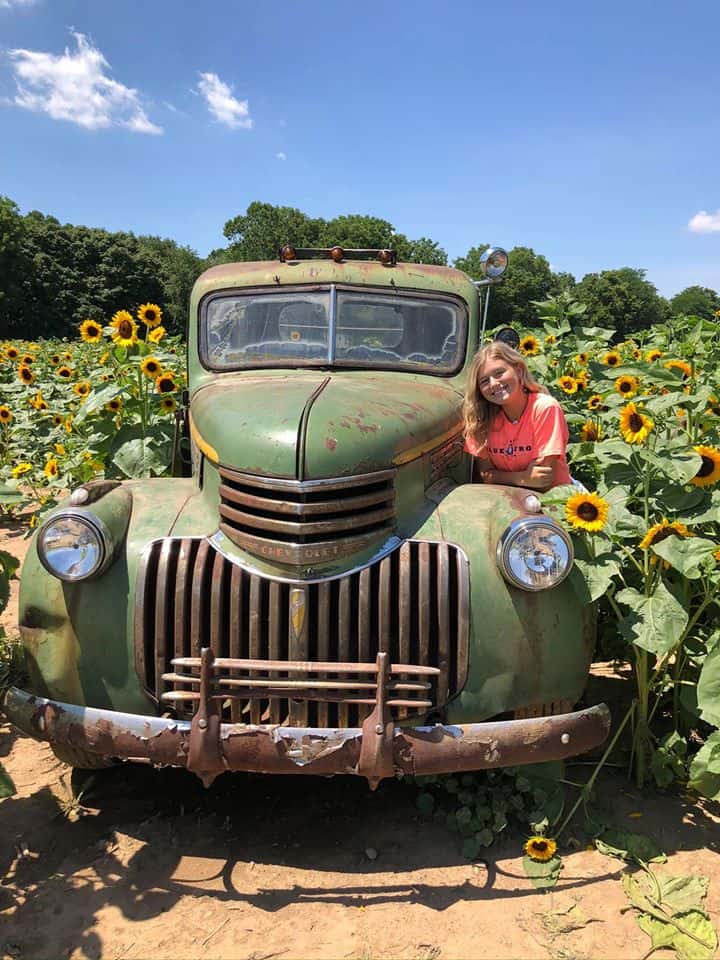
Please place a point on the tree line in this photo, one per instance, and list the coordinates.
(53, 275)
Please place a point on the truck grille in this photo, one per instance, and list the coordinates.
(300, 521)
(412, 604)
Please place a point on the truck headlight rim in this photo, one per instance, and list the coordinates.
(509, 539)
(90, 524)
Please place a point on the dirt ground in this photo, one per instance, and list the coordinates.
(149, 864)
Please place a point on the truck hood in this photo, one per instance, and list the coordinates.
(325, 425)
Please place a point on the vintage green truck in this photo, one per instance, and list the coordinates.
(327, 592)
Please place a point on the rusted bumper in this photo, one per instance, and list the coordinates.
(441, 748)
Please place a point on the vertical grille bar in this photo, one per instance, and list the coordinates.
(236, 628)
(323, 641)
(217, 632)
(162, 600)
(384, 638)
(424, 610)
(344, 628)
(443, 597)
(181, 642)
(298, 650)
(277, 712)
(198, 601)
(254, 637)
(463, 619)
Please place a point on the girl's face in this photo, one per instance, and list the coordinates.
(498, 381)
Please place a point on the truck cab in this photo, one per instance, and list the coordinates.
(327, 591)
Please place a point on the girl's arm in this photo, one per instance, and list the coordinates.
(539, 475)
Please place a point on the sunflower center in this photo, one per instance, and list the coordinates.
(635, 422)
(587, 511)
(540, 846)
(707, 467)
(625, 387)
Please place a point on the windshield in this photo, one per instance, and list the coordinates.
(336, 327)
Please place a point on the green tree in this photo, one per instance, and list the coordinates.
(178, 268)
(621, 299)
(264, 228)
(423, 250)
(355, 231)
(695, 301)
(13, 264)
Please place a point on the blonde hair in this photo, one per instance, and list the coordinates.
(478, 412)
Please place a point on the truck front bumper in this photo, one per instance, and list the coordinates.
(375, 751)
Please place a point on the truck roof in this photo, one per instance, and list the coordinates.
(364, 272)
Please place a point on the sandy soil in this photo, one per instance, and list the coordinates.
(149, 864)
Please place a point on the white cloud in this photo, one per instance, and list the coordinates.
(281, 156)
(705, 222)
(6, 4)
(76, 87)
(222, 104)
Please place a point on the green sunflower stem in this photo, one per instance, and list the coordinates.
(587, 789)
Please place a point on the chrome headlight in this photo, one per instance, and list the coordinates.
(74, 545)
(534, 553)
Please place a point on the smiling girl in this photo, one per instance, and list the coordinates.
(513, 427)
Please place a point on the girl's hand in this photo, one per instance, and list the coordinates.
(488, 476)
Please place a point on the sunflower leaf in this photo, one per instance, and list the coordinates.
(542, 874)
(681, 466)
(708, 688)
(690, 934)
(626, 845)
(690, 556)
(598, 574)
(705, 768)
(97, 401)
(655, 623)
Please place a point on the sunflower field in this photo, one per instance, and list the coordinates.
(99, 406)
(644, 420)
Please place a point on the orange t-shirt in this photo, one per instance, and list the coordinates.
(541, 431)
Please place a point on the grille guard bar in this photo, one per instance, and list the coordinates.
(374, 754)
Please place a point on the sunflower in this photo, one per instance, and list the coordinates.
(663, 530)
(595, 402)
(586, 511)
(12, 353)
(590, 431)
(652, 355)
(27, 360)
(156, 335)
(54, 360)
(56, 419)
(716, 555)
(64, 372)
(82, 388)
(60, 449)
(611, 359)
(51, 468)
(529, 346)
(551, 340)
(150, 314)
(540, 848)
(125, 329)
(634, 425)
(567, 384)
(167, 404)
(165, 383)
(636, 353)
(91, 331)
(627, 386)
(38, 401)
(26, 375)
(682, 365)
(583, 380)
(68, 424)
(67, 356)
(151, 367)
(21, 469)
(581, 359)
(5, 414)
(114, 405)
(709, 472)
(713, 406)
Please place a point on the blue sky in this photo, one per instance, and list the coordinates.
(588, 131)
